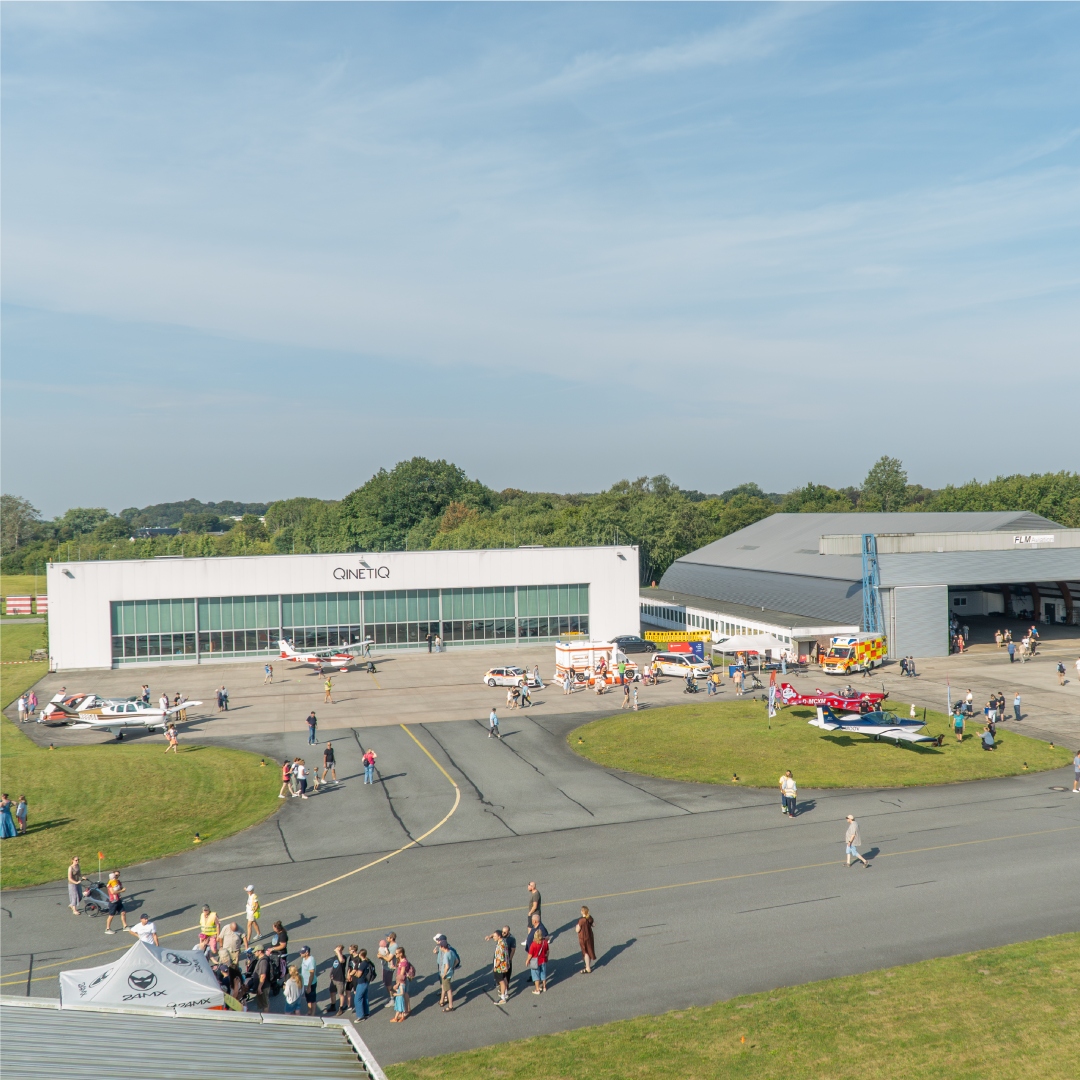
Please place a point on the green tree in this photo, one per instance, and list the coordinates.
(885, 486)
(19, 520)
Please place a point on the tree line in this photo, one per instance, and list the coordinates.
(433, 505)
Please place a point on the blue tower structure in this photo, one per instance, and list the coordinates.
(872, 616)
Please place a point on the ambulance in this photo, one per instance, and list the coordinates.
(583, 660)
(853, 652)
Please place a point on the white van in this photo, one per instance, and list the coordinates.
(679, 663)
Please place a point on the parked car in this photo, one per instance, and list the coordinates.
(632, 643)
(679, 664)
(511, 676)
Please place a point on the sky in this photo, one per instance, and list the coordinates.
(252, 251)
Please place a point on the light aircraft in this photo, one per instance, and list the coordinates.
(881, 725)
(114, 716)
(847, 700)
(339, 658)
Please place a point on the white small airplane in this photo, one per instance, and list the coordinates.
(114, 716)
(339, 658)
(881, 725)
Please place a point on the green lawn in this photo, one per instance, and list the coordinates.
(17, 640)
(126, 799)
(713, 741)
(1003, 1013)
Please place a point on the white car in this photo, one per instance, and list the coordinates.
(679, 664)
(511, 676)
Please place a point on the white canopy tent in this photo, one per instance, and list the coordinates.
(146, 975)
(758, 643)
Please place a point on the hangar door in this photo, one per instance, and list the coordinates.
(920, 615)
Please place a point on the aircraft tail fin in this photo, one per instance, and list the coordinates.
(67, 710)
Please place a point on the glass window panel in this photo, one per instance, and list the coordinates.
(116, 618)
(264, 640)
(583, 599)
(140, 645)
(320, 610)
(153, 644)
(189, 644)
(204, 642)
(213, 615)
(165, 616)
(251, 617)
(411, 610)
(309, 609)
(413, 632)
(227, 621)
(288, 610)
(564, 599)
(140, 617)
(260, 611)
(117, 645)
(128, 617)
(251, 641)
(354, 609)
(320, 637)
(584, 621)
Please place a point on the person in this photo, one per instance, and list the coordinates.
(224, 699)
(738, 680)
(599, 682)
(172, 738)
(337, 982)
(328, 688)
(308, 979)
(511, 698)
(625, 696)
(145, 694)
(74, 879)
(230, 943)
(403, 972)
(369, 765)
(1012, 651)
(300, 772)
(969, 703)
(780, 782)
(1016, 705)
(622, 672)
(23, 704)
(208, 930)
(448, 961)
(268, 674)
(958, 725)
(501, 964)
(365, 976)
(366, 644)
(635, 700)
(261, 974)
(790, 791)
(163, 702)
(278, 949)
(438, 643)
(400, 1004)
(566, 684)
(251, 913)
(538, 956)
(585, 939)
(293, 991)
(533, 905)
(912, 712)
(999, 638)
(386, 958)
(1061, 673)
(852, 841)
(903, 665)
(536, 673)
(493, 726)
(1077, 666)
(328, 763)
(115, 890)
(312, 721)
(1076, 773)
(988, 739)
(7, 822)
(20, 815)
(536, 928)
(144, 930)
(911, 666)
(1001, 707)
(428, 638)
(286, 779)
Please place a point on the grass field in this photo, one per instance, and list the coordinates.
(126, 799)
(1007, 1013)
(18, 639)
(713, 741)
(21, 584)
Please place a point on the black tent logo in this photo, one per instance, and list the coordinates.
(179, 961)
(141, 979)
(102, 977)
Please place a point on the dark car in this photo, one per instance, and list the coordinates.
(632, 643)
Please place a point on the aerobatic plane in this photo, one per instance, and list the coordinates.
(847, 700)
(879, 725)
(339, 658)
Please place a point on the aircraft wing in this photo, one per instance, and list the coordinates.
(904, 733)
(180, 708)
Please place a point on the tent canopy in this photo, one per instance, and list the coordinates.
(751, 643)
(146, 975)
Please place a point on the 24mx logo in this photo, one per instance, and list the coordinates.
(179, 961)
(142, 979)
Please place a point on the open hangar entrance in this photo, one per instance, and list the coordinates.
(1052, 606)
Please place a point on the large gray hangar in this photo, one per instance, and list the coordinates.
(930, 565)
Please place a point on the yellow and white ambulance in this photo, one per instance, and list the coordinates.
(853, 652)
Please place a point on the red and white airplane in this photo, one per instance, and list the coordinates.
(848, 700)
(339, 658)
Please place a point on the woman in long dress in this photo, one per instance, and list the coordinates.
(7, 822)
(585, 939)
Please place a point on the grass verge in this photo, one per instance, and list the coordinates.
(713, 741)
(21, 585)
(1006, 1013)
(128, 800)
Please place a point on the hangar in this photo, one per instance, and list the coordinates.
(928, 566)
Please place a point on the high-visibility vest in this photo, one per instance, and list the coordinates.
(208, 924)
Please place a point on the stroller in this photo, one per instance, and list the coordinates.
(96, 899)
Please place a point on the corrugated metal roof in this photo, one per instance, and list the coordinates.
(788, 543)
(43, 1041)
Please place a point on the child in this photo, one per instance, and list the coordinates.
(20, 815)
(399, 1004)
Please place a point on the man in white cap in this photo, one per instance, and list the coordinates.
(251, 911)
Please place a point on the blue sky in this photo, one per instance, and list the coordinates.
(253, 251)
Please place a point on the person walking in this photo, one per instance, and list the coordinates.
(286, 779)
(300, 772)
(173, 739)
(1012, 651)
(585, 940)
(787, 785)
(1061, 672)
(145, 930)
(369, 759)
(493, 726)
(852, 841)
(511, 698)
(20, 815)
(312, 723)
(1076, 773)
(329, 765)
(74, 880)
(448, 961)
(328, 690)
(625, 696)
(365, 976)
(251, 913)
(115, 890)
(533, 906)
(145, 694)
(268, 674)
(1016, 705)
(309, 980)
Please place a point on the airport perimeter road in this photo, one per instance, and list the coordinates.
(699, 893)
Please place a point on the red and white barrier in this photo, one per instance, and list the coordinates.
(18, 605)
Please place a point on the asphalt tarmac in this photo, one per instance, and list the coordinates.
(699, 893)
